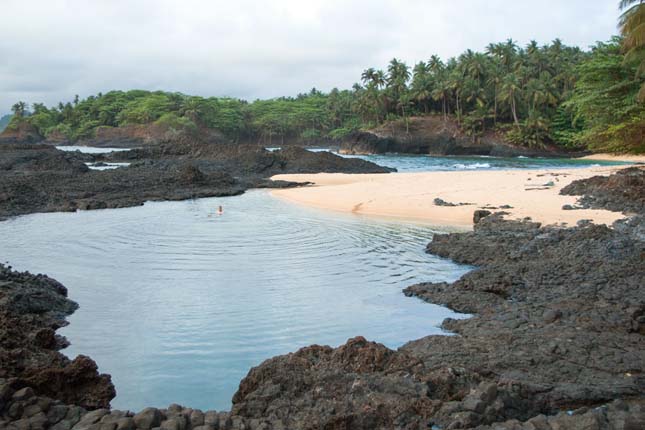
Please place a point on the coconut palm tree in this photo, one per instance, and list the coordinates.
(495, 80)
(397, 81)
(505, 52)
(422, 83)
(632, 27)
(510, 88)
(374, 80)
(476, 66)
(442, 92)
(456, 85)
(19, 109)
(435, 65)
(368, 75)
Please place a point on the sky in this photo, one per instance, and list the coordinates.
(51, 50)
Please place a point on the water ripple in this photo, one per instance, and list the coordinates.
(178, 303)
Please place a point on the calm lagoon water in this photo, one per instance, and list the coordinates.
(177, 303)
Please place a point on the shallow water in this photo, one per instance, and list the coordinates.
(108, 166)
(177, 303)
(91, 149)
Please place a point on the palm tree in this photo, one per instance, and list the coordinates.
(532, 48)
(632, 27)
(397, 80)
(495, 80)
(505, 52)
(422, 84)
(19, 109)
(476, 66)
(435, 65)
(192, 108)
(456, 84)
(368, 75)
(374, 80)
(398, 75)
(510, 88)
(474, 92)
(441, 93)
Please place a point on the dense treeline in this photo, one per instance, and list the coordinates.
(304, 116)
(534, 95)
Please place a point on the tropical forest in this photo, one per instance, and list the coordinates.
(532, 95)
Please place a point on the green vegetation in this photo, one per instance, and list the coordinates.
(303, 116)
(632, 27)
(603, 103)
(535, 95)
(4, 121)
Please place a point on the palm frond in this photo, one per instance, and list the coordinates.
(632, 17)
(626, 3)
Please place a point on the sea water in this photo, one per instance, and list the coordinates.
(178, 303)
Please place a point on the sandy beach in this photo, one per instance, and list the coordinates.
(612, 157)
(530, 193)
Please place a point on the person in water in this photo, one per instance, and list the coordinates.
(220, 210)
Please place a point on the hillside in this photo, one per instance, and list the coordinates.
(4, 121)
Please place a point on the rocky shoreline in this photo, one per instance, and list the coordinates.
(40, 178)
(435, 135)
(557, 341)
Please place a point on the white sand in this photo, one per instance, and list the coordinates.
(411, 195)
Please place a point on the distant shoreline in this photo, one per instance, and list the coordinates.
(611, 157)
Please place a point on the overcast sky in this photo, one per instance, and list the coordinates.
(53, 49)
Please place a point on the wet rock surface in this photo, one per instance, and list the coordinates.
(40, 178)
(557, 341)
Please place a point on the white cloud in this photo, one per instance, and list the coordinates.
(53, 49)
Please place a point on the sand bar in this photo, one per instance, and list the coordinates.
(531, 193)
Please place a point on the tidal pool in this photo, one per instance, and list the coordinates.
(177, 303)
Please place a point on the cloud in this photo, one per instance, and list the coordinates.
(53, 49)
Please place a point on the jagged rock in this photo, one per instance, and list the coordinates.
(623, 191)
(479, 214)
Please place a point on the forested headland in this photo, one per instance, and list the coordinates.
(532, 95)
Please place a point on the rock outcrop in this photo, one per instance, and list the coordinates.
(435, 135)
(32, 308)
(622, 192)
(40, 178)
